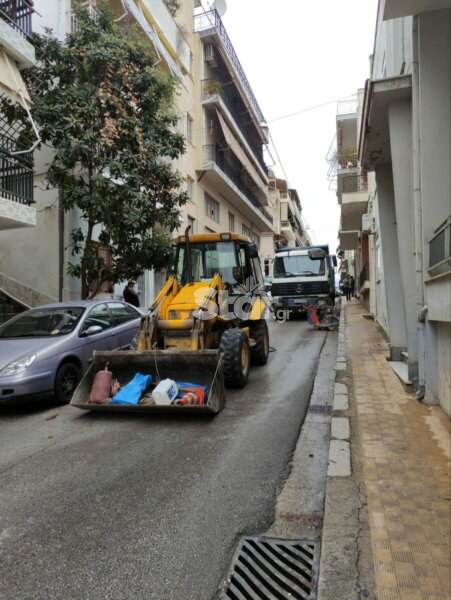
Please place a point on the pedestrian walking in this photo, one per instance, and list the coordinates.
(130, 295)
(347, 287)
(352, 285)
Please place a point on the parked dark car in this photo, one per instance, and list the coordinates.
(45, 350)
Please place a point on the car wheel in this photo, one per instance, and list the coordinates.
(235, 345)
(259, 352)
(66, 380)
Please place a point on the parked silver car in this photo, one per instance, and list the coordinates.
(45, 350)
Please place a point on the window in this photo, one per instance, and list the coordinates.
(211, 208)
(122, 313)
(99, 315)
(190, 188)
(192, 224)
(246, 231)
(189, 128)
(256, 239)
(231, 222)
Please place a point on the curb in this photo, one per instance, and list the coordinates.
(338, 572)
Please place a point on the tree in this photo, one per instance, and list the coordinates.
(173, 6)
(109, 115)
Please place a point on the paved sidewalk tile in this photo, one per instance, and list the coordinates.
(404, 448)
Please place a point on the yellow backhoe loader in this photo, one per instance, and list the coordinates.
(207, 322)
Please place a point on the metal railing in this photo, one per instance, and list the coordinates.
(347, 160)
(347, 107)
(212, 87)
(222, 158)
(354, 183)
(211, 20)
(17, 13)
(16, 178)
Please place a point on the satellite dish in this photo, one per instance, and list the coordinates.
(219, 6)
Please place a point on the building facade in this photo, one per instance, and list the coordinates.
(223, 167)
(402, 248)
(17, 205)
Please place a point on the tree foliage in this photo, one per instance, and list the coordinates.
(109, 115)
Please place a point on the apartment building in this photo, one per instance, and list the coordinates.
(223, 166)
(404, 239)
(17, 206)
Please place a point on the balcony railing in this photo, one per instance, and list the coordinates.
(354, 183)
(347, 107)
(211, 20)
(347, 160)
(212, 87)
(17, 13)
(16, 177)
(223, 159)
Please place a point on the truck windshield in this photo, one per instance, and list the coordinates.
(297, 265)
(206, 260)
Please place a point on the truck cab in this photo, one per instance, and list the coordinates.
(303, 276)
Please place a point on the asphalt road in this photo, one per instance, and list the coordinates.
(103, 506)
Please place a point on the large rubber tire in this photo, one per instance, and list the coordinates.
(235, 346)
(259, 352)
(66, 381)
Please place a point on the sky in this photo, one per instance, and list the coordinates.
(298, 54)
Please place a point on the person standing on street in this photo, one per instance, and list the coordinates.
(347, 288)
(352, 286)
(130, 295)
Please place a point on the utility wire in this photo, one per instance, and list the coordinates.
(298, 112)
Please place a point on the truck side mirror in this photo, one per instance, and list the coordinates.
(334, 261)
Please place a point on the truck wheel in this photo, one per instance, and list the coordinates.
(66, 380)
(235, 345)
(259, 352)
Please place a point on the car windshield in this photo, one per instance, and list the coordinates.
(206, 260)
(296, 265)
(42, 322)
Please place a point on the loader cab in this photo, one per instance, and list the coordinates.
(233, 256)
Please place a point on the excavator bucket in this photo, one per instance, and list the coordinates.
(203, 367)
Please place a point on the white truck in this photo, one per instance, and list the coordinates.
(303, 276)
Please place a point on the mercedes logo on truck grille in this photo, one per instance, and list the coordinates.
(299, 288)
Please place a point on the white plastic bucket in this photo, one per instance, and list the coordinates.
(165, 392)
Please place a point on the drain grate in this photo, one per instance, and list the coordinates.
(320, 409)
(272, 569)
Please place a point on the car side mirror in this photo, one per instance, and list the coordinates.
(240, 274)
(92, 330)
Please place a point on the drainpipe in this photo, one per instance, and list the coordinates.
(418, 211)
(60, 245)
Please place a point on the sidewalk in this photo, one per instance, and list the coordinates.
(387, 523)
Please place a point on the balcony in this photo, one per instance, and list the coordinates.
(17, 13)
(351, 184)
(214, 92)
(209, 25)
(15, 31)
(219, 172)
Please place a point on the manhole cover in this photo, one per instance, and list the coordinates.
(273, 569)
(320, 409)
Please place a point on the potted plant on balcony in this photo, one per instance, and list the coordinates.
(212, 87)
(347, 157)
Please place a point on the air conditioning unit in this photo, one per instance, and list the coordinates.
(367, 223)
(210, 55)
